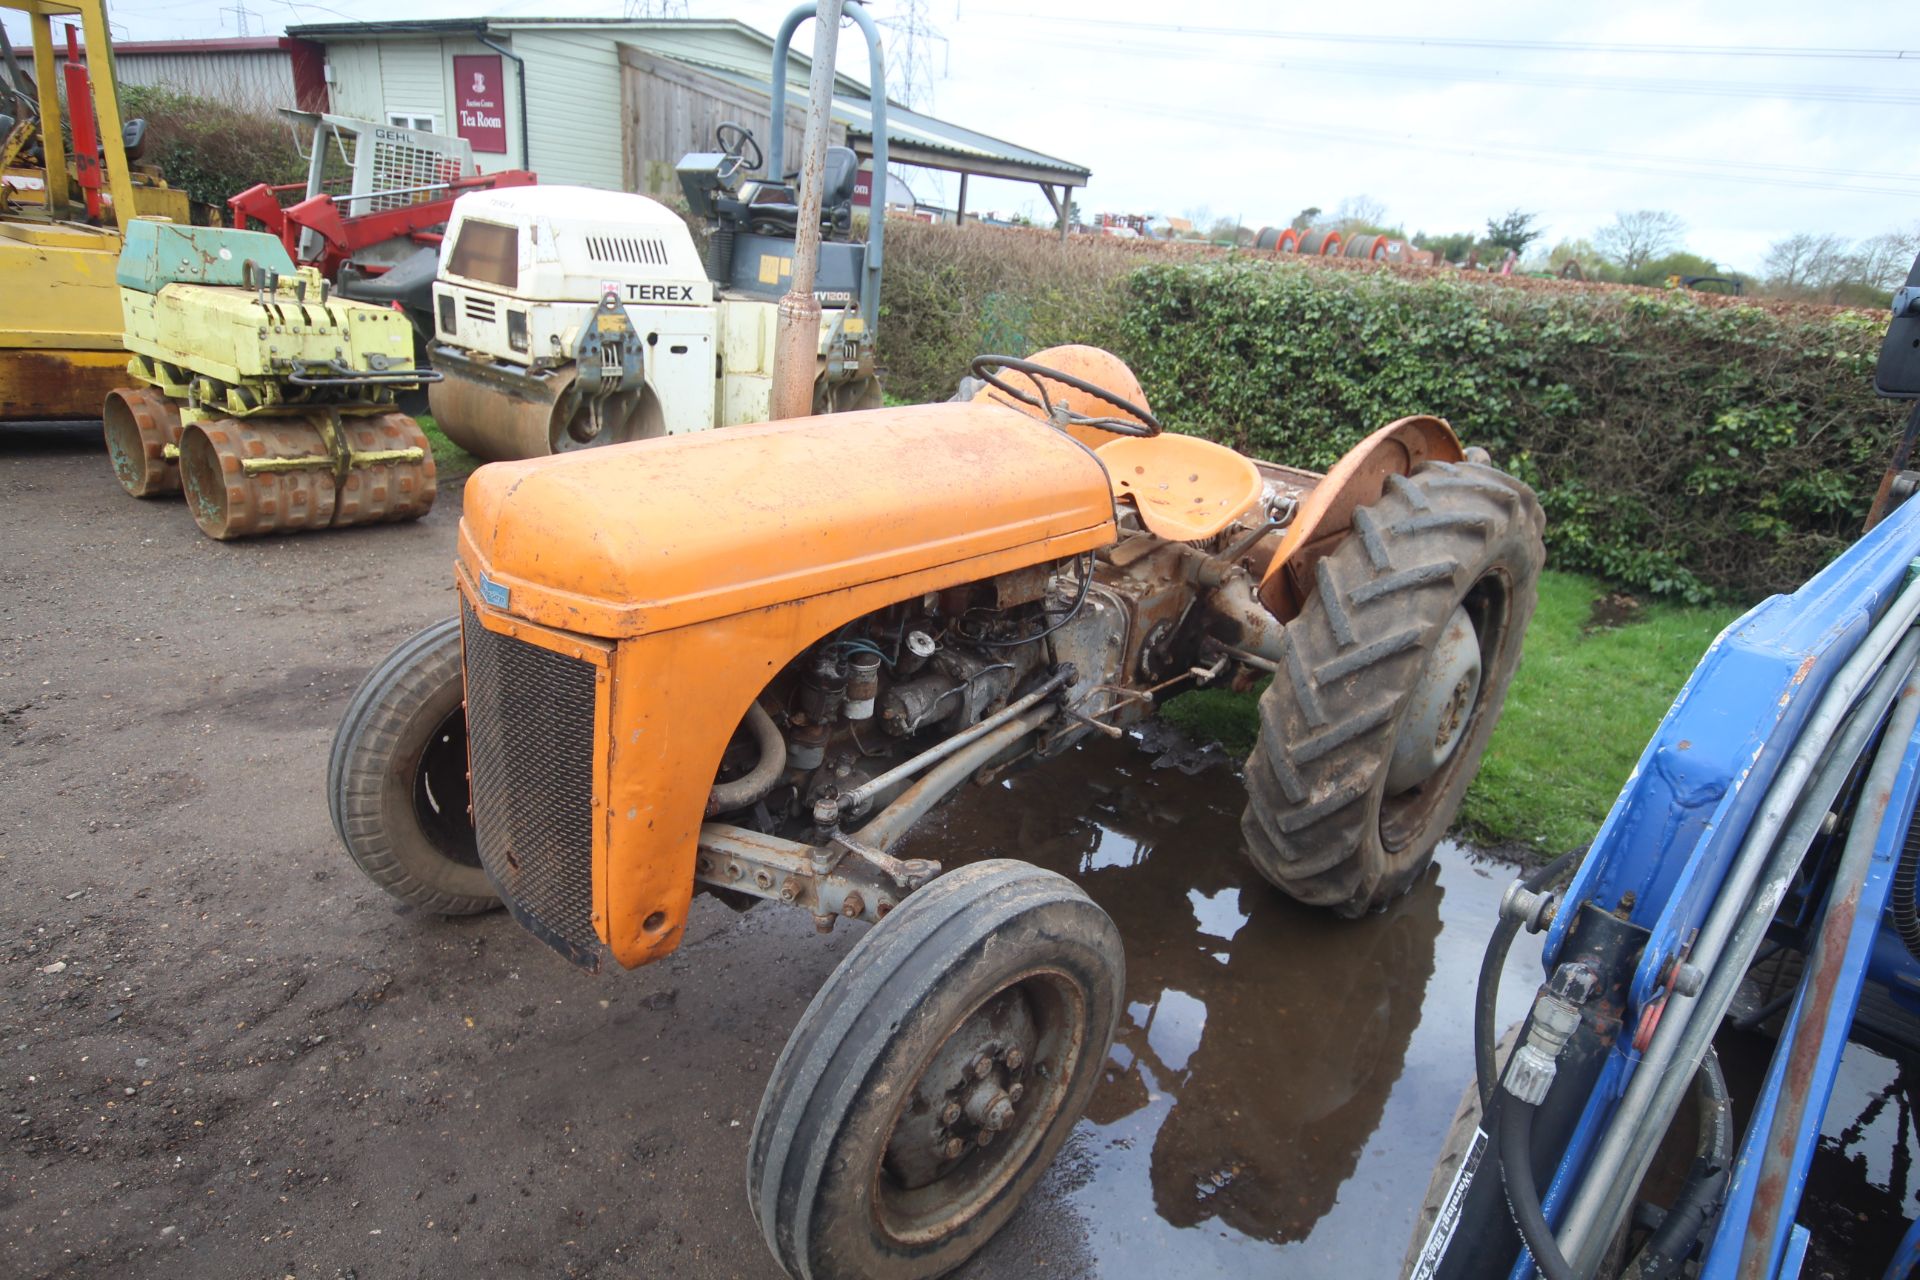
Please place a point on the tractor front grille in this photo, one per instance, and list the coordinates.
(530, 734)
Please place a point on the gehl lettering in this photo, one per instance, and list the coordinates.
(659, 293)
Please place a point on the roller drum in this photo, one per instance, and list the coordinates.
(383, 492)
(494, 416)
(139, 424)
(229, 502)
(499, 413)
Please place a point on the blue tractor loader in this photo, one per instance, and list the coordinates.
(1771, 821)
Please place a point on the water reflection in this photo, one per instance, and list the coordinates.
(1260, 1039)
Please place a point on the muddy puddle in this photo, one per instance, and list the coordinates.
(1282, 1078)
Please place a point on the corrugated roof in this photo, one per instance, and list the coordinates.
(905, 128)
(911, 128)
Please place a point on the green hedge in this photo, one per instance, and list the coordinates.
(211, 149)
(1681, 446)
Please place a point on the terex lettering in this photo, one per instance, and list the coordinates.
(659, 293)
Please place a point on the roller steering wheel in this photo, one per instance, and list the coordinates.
(741, 144)
(1137, 423)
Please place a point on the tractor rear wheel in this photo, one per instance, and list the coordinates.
(1390, 683)
(397, 779)
(935, 1075)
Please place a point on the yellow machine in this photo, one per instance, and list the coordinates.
(271, 403)
(748, 662)
(63, 218)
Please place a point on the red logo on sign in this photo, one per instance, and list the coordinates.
(480, 116)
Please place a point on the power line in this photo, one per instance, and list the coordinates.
(1624, 162)
(1469, 42)
(1787, 91)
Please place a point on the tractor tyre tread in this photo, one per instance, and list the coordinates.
(363, 748)
(1348, 662)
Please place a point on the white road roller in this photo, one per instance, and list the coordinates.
(567, 317)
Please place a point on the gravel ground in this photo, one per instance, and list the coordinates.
(223, 1053)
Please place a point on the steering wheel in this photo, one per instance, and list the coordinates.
(737, 140)
(1138, 422)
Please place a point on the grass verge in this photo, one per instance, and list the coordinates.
(1589, 693)
(450, 461)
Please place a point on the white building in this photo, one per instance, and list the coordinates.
(615, 104)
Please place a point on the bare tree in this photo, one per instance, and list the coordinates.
(1884, 260)
(1807, 265)
(1360, 211)
(1635, 239)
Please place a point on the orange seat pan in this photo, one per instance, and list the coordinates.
(1185, 488)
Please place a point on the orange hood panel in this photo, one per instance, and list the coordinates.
(637, 538)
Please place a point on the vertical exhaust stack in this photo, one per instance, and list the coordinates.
(797, 335)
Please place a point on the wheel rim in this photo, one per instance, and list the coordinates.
(979, 1106)
(1405, 813)
(1438, 706)
(440, 791)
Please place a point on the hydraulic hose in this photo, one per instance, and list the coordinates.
(1523, 1192)
(754, 784)
(1701, 1197)
(1493, 964)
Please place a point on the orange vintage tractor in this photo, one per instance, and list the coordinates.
(748, 661)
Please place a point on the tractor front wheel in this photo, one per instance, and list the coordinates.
(935, 1075)
(397, 779)
(1390, 683)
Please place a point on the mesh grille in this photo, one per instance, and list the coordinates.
(400, 169)
(530, 739)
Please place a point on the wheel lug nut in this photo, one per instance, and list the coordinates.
(999, 1113)
(950, 1113)
(1015, 1092)
(985, 1137)
(981, 1066)
(1015, 1059)
(955, 1148)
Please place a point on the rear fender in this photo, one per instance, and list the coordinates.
(1357, 480)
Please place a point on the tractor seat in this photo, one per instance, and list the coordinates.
(1185, 488)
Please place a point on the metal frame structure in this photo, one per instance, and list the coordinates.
(105, 107)
(777, 136)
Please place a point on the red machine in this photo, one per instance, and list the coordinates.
(370, 213)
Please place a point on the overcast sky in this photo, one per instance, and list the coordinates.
(1204, 107)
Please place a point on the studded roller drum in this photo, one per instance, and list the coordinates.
(385, 491)
(245, 477)
(935, 1075)
(1390, 682)
(229, 501)
(140, 426)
